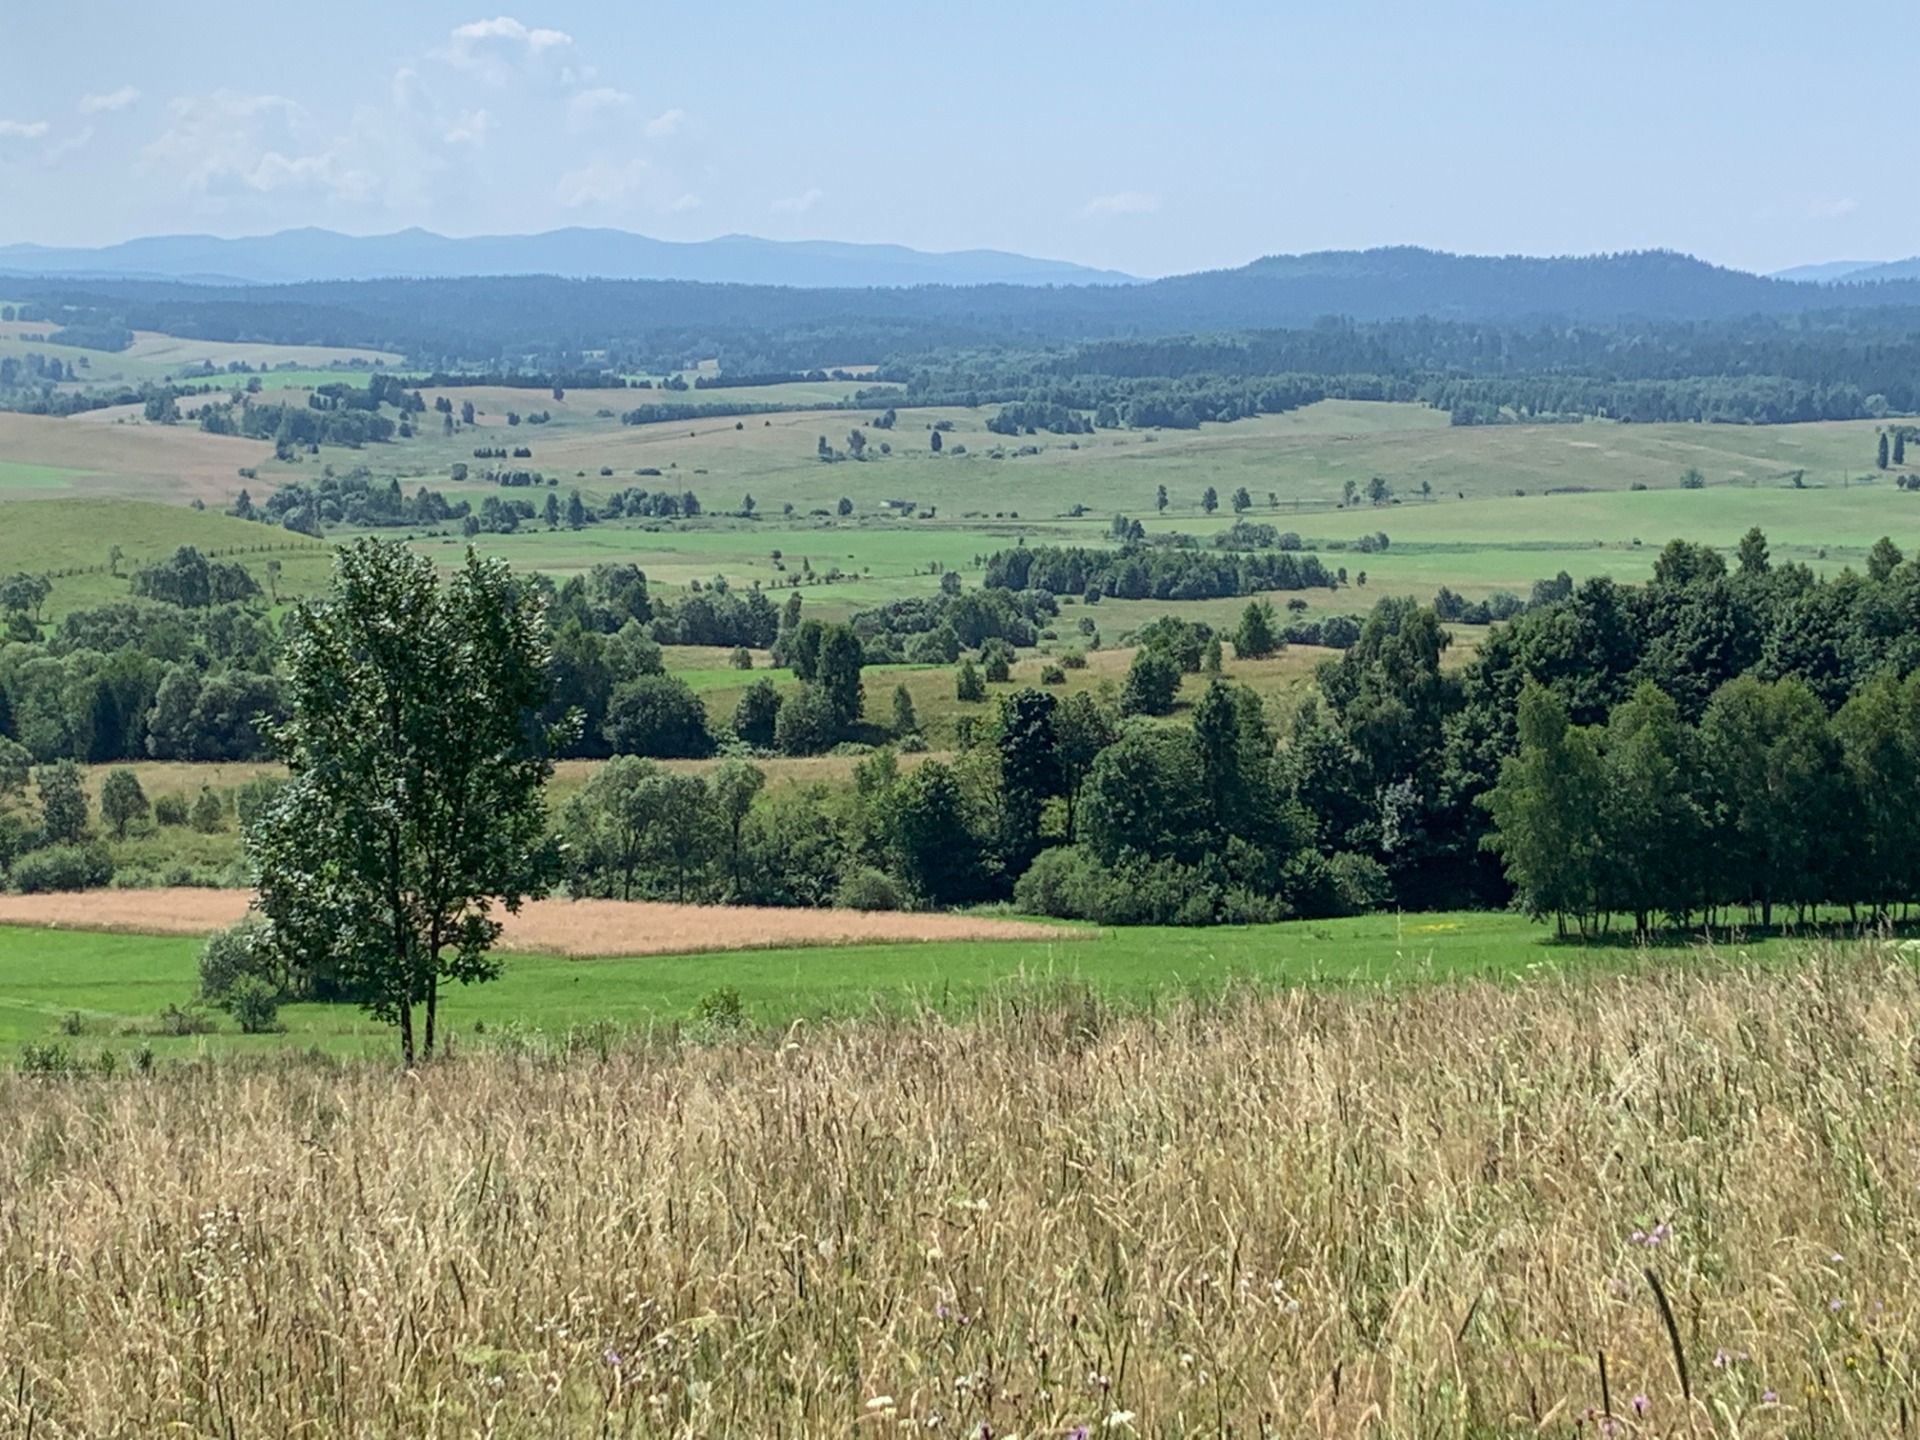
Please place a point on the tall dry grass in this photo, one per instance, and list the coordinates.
(1433, 1212)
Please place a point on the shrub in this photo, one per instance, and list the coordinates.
(122, 801)
(1153, 680)
(866, 888)
(996, 658)
(252, 798)
(170, 810)
(254, 1005)
(62, 867)
(807, 723)
(1074, 660)
(658, 716)
(176, 1021)
(209, 816)
(968, 687)
(1052, 675)
(232, 955)
(741, 658)
(757, 716)
(721, 1009)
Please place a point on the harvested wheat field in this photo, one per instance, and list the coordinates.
(579, 928)
(1673, 1204)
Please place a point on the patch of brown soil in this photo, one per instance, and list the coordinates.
(580, 928)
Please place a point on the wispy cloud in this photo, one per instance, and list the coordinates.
(799, 204)
(467, 128)
(1832, 209)
(590, 107)
(110, 101)
(24, 129)
(1122, 202)
(601, 182)
(681, 204)
(667, 122)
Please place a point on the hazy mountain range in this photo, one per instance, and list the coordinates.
(292, 256)
(1853, 272)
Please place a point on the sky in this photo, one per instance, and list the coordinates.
(1153, 138)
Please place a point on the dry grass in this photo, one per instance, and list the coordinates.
(150, 462)
(579, 928)
(1300, 1214)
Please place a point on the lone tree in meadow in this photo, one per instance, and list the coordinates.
(1258, 634)
(418, 765)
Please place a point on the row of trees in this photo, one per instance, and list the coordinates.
(1769, 802)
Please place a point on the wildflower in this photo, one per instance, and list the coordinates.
(1641, 1405)
(1834, 1306)
(1078, 1432)
(1769, 1397)
(612, 1357)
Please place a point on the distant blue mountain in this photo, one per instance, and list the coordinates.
(1853, 272)
(294, 256)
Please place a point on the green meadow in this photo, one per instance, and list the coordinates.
(110, 989)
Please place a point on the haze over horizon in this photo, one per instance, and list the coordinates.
(1149, 140)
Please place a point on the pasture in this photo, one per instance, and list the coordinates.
(118, 982)
(157, 358)
(1468, 1209)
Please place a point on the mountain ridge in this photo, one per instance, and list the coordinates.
(311, 253)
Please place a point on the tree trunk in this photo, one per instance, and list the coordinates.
(433, 1010)
(406, 1032)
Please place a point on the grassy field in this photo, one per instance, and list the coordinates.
(155, 357)
(71, 539)
(1508, 505)
(1667, 1204)
(118, 983)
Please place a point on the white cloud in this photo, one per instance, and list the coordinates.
(600, 182)
(799, 204)
(109, 102)
(24, 129)
(590, 107)
(1832, 209)
(1122, 202)
(227, 145)
(494, 48)
(668, 122)
(681, 204)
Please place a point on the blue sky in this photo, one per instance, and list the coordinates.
(1149, 137)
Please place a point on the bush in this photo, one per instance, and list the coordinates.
(869, 889)
(741, 658)
(996, 658)
(757, 716)
(1052, 675)
(176, 1021)
(62, 867)
(170, 810)
(658, 716)
(252, 798)
(208, 816)
(233, 955)
(721, 1009)
(254, 1005)
(807, 723)
(1074, 660)
(1153, 681)
(968, 687)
